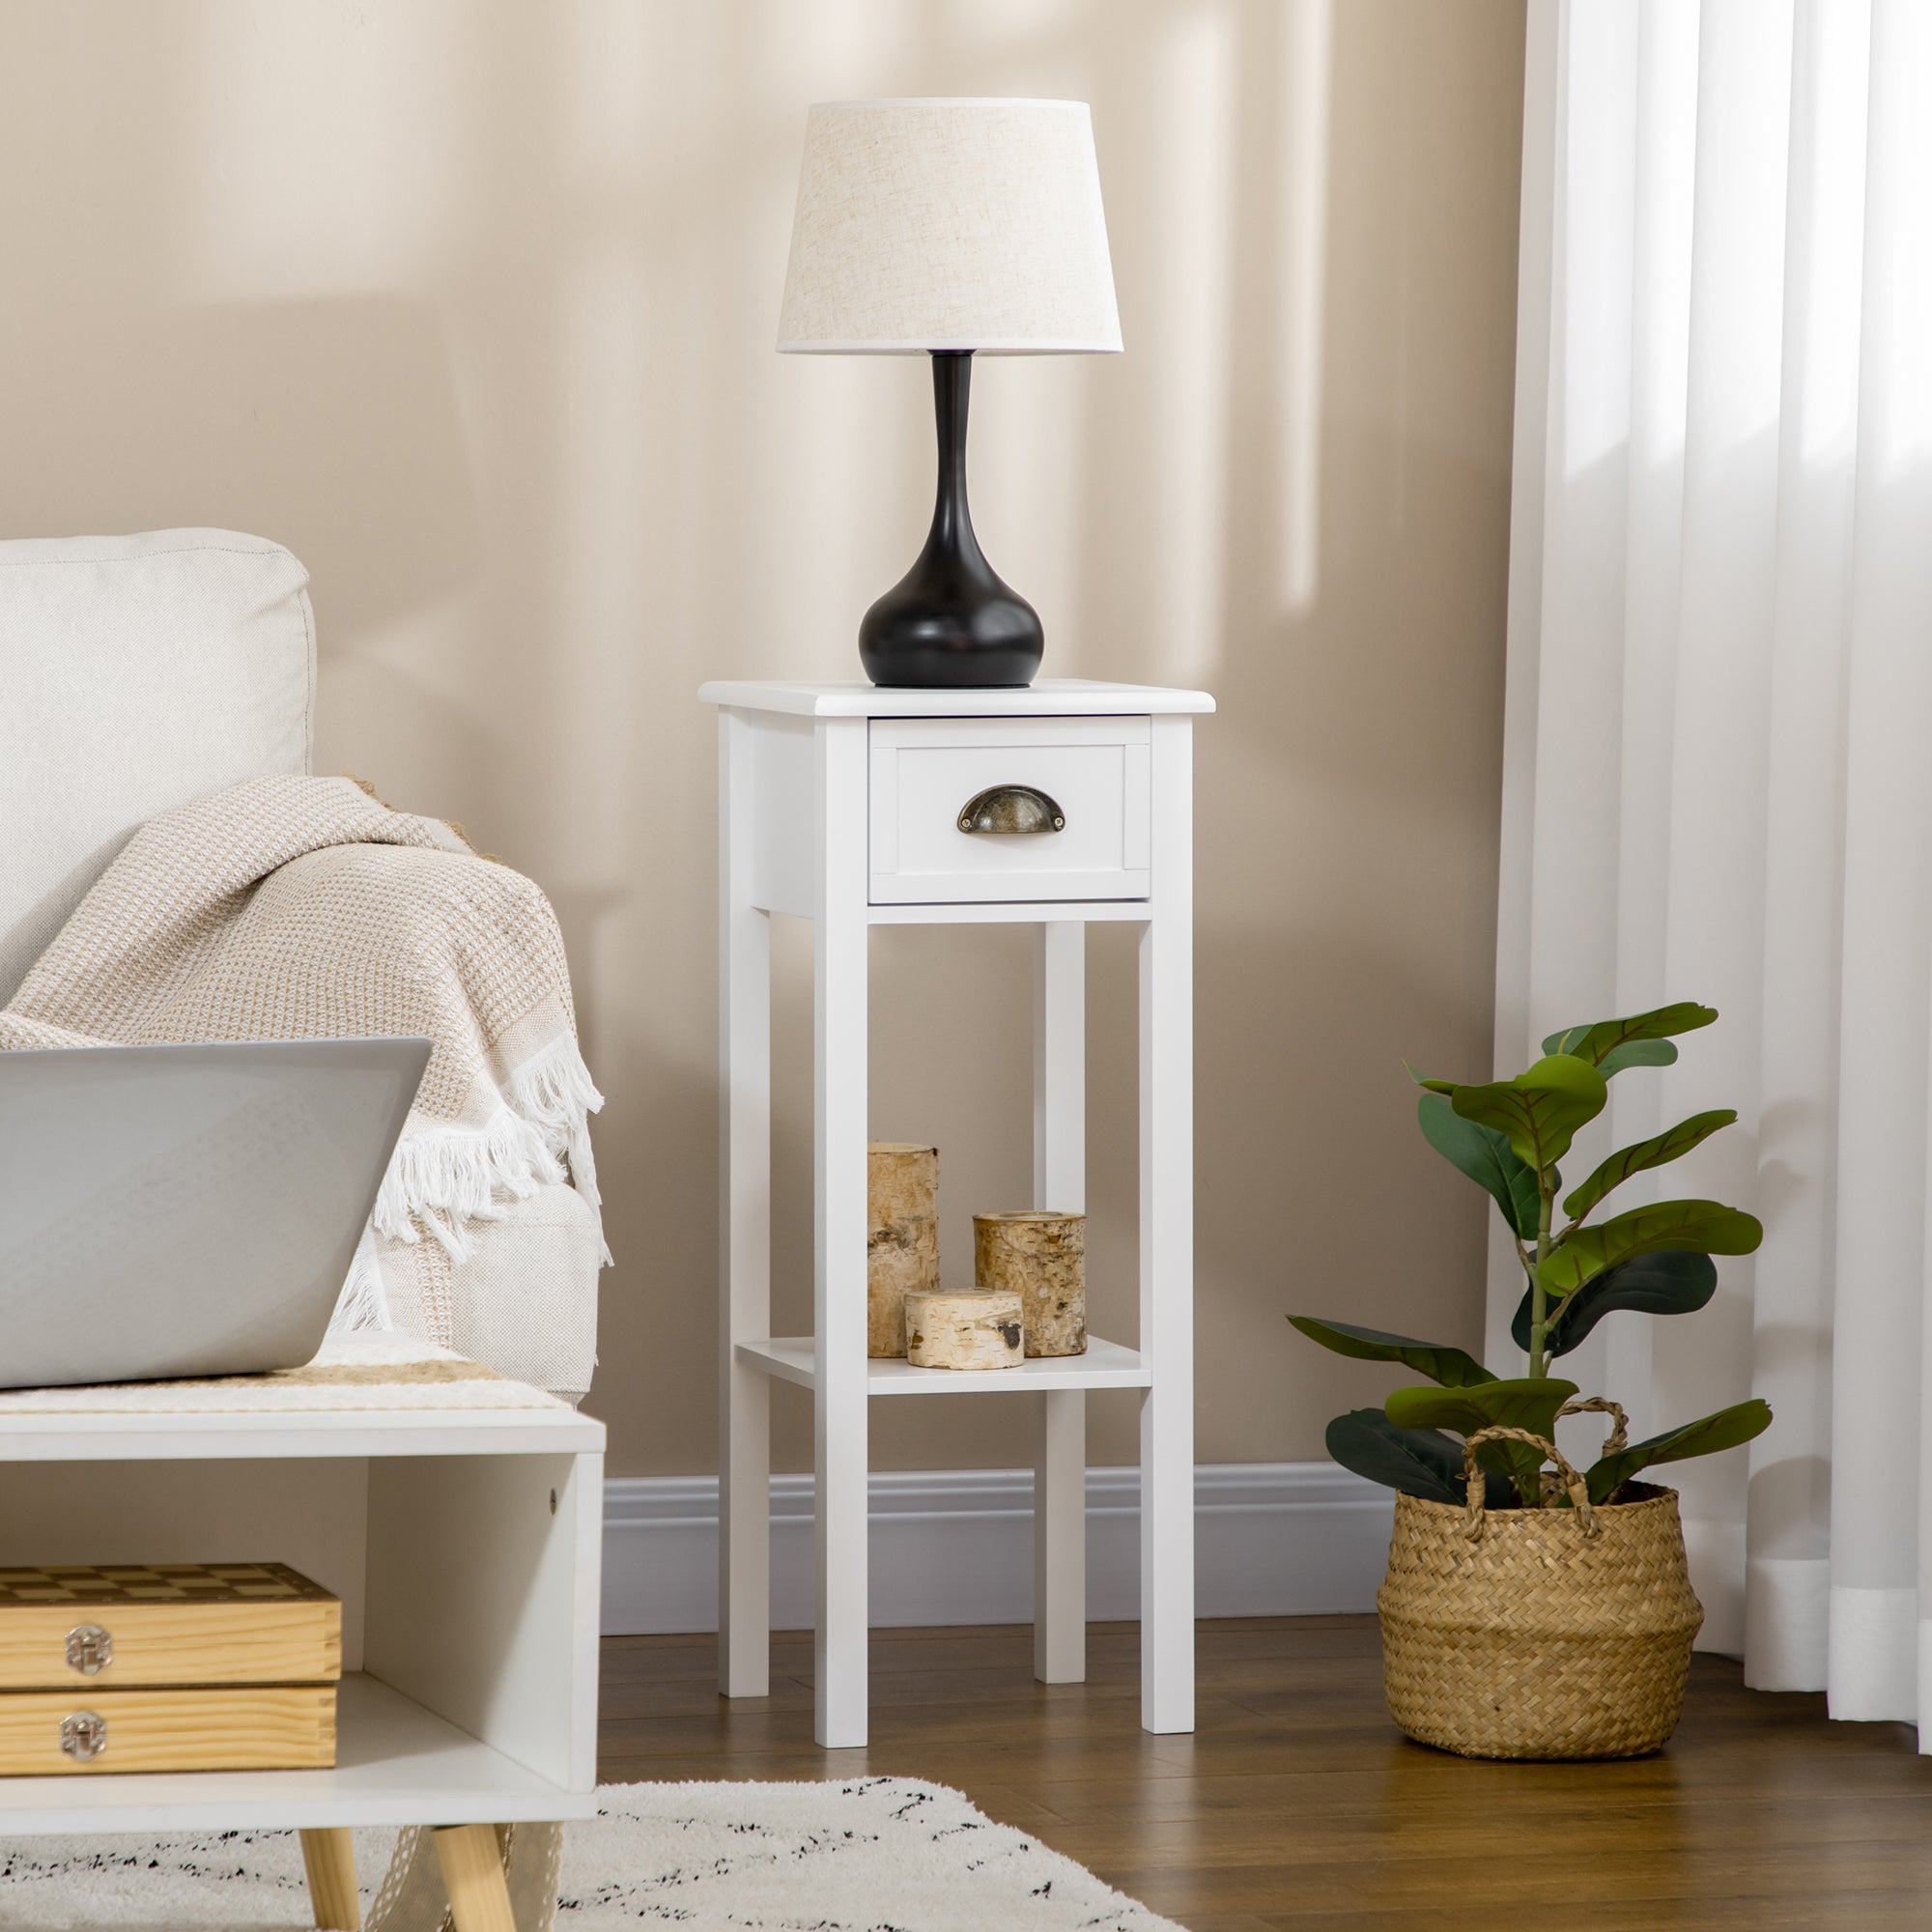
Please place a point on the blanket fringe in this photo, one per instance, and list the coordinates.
(554, 1091)
(444, 1177)
(365, 1301)
(554, 1088)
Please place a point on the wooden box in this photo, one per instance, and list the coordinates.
(172, 1666)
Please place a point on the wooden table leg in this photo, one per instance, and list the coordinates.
(472, 1873)
(330, 1856)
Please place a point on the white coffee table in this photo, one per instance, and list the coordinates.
(461, 1524)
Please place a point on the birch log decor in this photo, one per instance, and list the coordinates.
(902, 1237)
(964, 1328)
(1041, 1257)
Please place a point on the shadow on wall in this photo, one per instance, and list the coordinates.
(313, 423)
(330, 426)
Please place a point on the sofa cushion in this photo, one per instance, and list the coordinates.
(136, 674)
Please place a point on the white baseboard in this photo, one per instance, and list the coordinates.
(949, 1547)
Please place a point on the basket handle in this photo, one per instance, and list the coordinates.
(1472, 1476)
(1618, 1439)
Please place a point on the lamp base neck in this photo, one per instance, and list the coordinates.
(950, 623)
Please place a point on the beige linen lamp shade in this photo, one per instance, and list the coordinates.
(949, 225)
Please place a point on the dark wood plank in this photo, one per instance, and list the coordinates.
(1296, 1804)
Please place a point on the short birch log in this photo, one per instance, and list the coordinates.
(902, 1237)
(1041, 1257)
(964, 1328)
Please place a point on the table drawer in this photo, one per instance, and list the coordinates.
(1092, 775)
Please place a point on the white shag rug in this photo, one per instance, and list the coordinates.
(865, 1855)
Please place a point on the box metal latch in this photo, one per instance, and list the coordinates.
(84, 1735)
(90, 1649)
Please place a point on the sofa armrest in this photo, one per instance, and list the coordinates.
(525, 1303)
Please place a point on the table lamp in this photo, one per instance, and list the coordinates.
(954, 227)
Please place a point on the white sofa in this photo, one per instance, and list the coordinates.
(141, 672)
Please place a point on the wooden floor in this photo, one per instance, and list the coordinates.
(1297, 1804)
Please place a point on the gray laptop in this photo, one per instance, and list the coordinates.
(186, 1211)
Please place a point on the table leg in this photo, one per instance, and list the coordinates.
(1167, 1251)
(329, 1857)
(840, 941)
(1059, 1182)
(744, 1260)
(472, 1874)
(1059, 1539)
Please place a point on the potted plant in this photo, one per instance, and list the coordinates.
(1530, 1611)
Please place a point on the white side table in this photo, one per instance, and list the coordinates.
(842, 804)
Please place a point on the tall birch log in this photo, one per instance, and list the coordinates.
(901, 1240)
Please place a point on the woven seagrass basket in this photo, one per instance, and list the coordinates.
(1538, 1633)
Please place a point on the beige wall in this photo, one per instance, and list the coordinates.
(472, 307)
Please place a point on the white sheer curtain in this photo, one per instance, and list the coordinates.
(1718, 750)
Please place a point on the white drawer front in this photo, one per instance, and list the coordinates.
(924, 770)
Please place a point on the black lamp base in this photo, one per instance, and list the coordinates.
(948, 623)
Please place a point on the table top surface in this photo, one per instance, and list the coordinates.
(1044, 698)
(363, 1395)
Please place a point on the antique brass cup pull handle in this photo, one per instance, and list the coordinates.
(1012, 808)
(90, 1649)
(83, 1736)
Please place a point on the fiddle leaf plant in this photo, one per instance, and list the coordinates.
(1508, 1137)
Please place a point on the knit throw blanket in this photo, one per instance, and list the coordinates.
(299, 908)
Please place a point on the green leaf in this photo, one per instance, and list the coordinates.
(1673, 1283)
(1707, 1226)
(1486, 1156)
(1597, 1040)
(1435, 1359)
(1540, 1110)
(1670, 1145)
(1418, 1461)
(1527, 1402)
(1637, 1053)
(1725, 1430)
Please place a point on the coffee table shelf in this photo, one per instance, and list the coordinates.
(396, 1764)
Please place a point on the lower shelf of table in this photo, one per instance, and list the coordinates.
(1105, 1365)
(396, 1764)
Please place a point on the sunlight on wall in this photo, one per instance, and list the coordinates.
(302, 118)
(827, 50)
(1304, 166)
(1194, 185)
(993, 26)
(601, 319)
